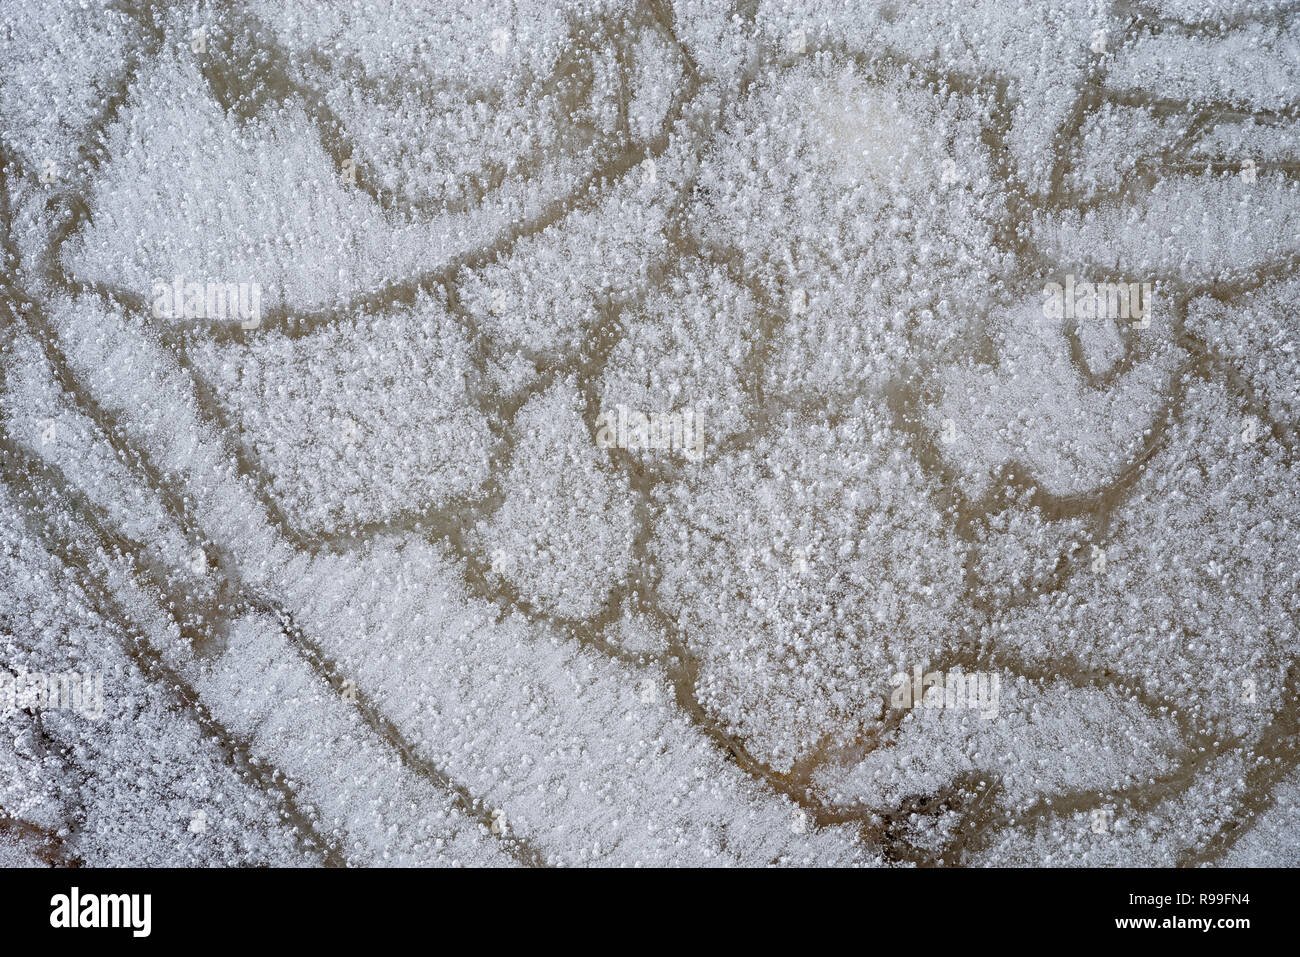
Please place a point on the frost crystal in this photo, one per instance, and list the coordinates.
(621, 433)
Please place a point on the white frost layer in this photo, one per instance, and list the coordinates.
(1258, 335)
(1034, 407)
(131, 785)
(357, 421)
(804, 573)
(583, 761)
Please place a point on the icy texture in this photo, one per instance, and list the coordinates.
(367, 584)
(380, 429)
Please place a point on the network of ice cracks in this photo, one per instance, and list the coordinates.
(364, 588)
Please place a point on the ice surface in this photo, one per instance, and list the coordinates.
(356, 433)
(367, 584)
